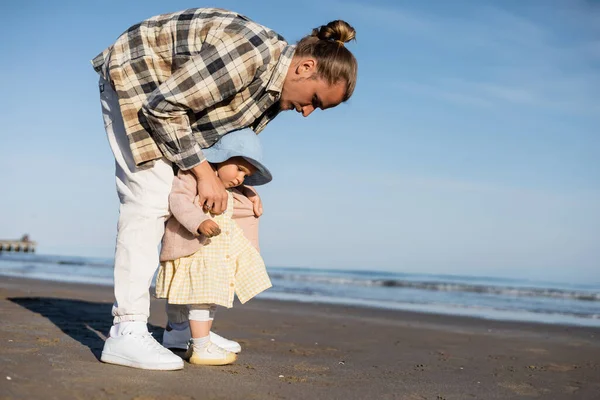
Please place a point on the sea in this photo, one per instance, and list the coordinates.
(479, 297)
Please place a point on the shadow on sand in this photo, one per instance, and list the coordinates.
(87, 322)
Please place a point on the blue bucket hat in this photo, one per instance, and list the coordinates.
(243, 143)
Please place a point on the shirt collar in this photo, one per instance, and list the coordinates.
(285, 59)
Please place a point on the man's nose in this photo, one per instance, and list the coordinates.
(307, 110)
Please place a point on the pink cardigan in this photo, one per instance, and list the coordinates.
(181, 236)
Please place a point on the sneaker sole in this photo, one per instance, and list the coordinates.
(117, 360)
(179, 346)
(196, 361)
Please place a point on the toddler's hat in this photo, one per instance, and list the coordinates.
(242, 143)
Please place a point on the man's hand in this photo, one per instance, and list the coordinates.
(211, 192)
(253, 196)
(209, 228)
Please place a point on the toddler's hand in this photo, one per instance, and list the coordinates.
(209, 228)
(253, 196)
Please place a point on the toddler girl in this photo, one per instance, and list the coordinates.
(207, 259)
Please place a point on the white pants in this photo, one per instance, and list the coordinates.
(144, 197)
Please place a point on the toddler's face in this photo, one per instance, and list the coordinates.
(233, 171)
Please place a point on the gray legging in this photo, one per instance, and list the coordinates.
(179, 313)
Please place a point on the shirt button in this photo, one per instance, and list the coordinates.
(231, 284)
(227, 256)
(227, 232)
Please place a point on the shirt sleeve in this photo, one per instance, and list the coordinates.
(183, 204)
(226, 64)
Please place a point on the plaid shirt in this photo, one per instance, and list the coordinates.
(187, 78)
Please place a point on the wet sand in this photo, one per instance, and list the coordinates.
(52, 334)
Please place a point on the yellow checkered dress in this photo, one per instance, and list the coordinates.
(227, 265)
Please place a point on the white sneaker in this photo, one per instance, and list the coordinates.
(174, 339)
(210, 354)
(226, 344)
(137, 348)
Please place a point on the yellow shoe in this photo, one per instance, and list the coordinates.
(210, 355)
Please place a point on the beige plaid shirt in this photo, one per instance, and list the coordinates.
(227, 265)
(187, 78)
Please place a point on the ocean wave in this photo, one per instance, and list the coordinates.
(485, 289)
(31, 258)
(438, 286)
(497, 313)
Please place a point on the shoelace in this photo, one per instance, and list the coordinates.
(150, 342)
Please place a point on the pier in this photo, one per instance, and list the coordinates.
(21, 245)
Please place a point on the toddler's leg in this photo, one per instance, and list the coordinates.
(203, 351)
(201, 317)
(177, 315)
(177, 333)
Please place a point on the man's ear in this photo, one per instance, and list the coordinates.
(306, 67)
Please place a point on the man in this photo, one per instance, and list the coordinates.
(173, 85)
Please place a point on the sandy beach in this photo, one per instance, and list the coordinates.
(52, 335)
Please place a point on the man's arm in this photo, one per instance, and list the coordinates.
(182, 202)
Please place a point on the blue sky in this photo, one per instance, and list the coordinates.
(471, 144)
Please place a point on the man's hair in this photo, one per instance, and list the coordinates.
(335, 62)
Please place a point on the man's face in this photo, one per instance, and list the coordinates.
(304, 91)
